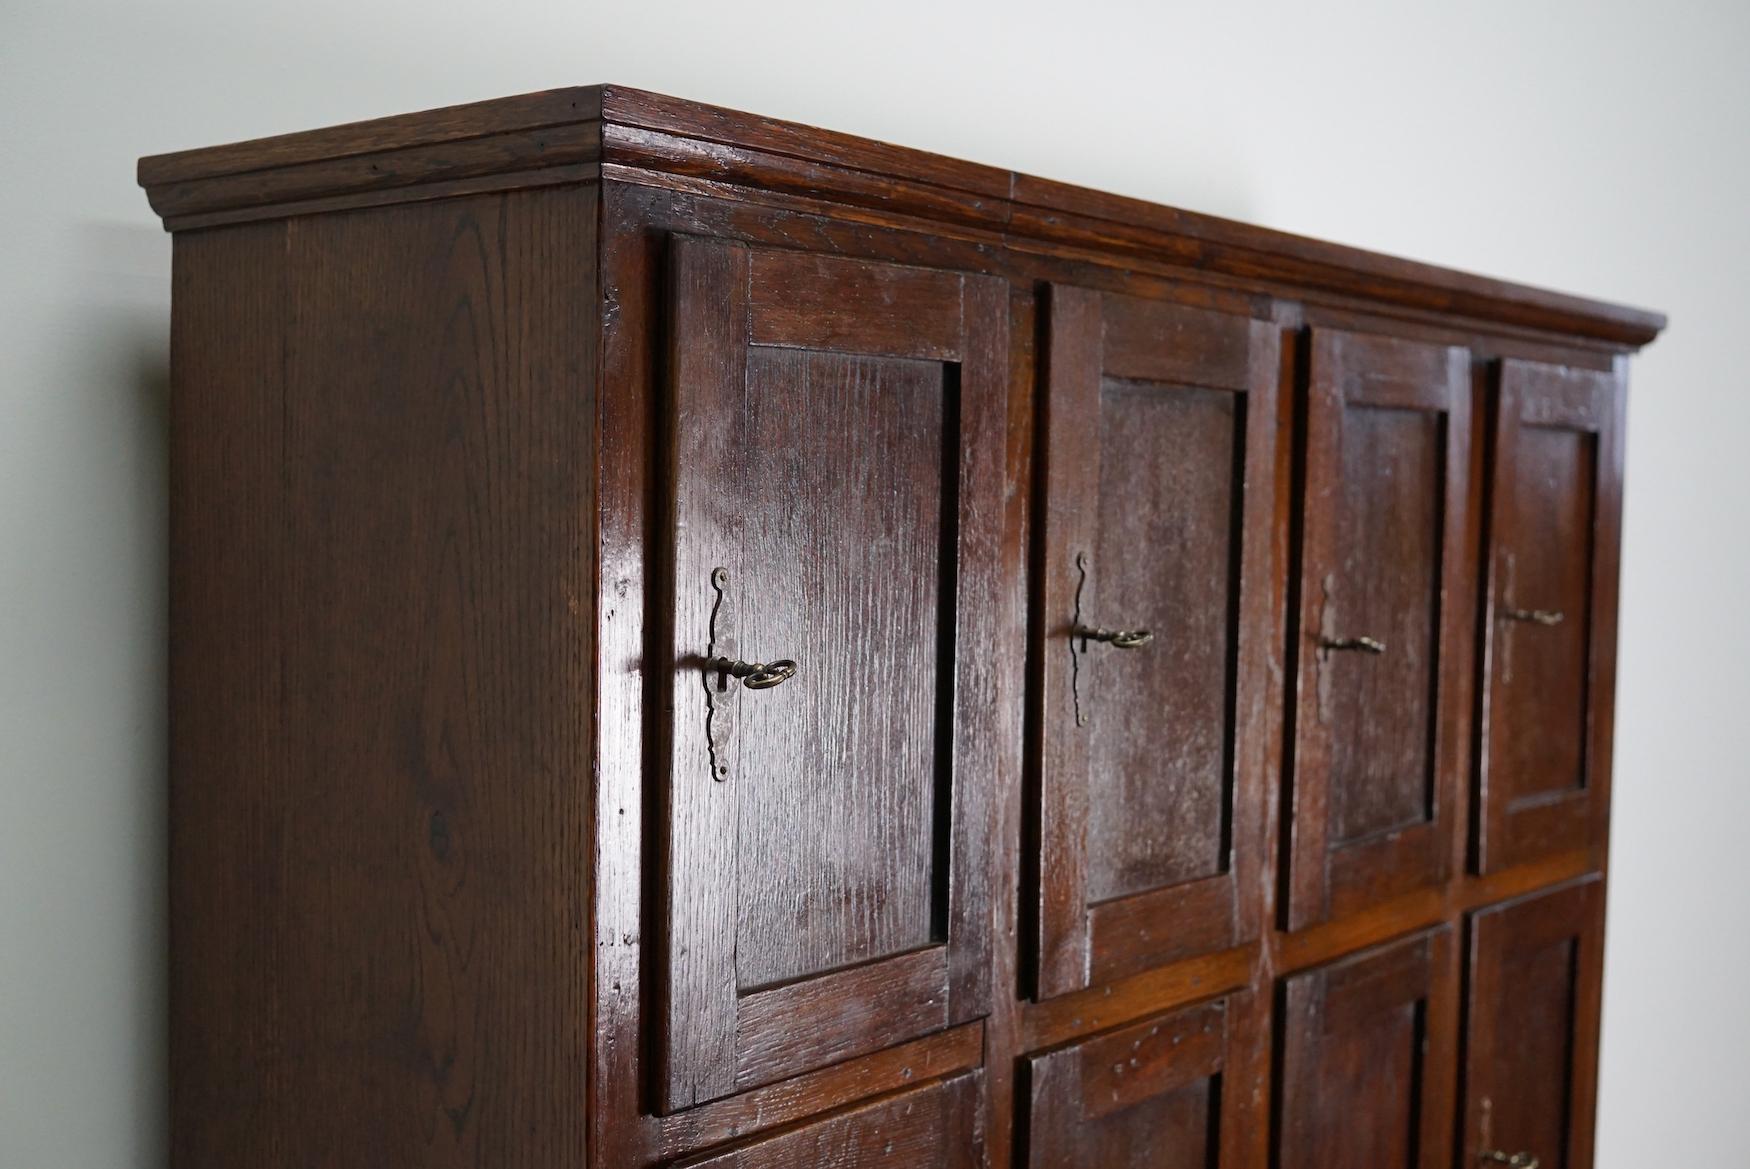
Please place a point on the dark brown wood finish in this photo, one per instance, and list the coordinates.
(1159, 434)
(933, 1127)
(461, 876)
(1531, 1041)
(1368, 1058)
(380, 800)
(838, 436)
(1383, 624)
(1177, 1089)
(1549, 613)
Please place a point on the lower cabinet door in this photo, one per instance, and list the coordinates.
(1531, 1052)
(1176, 1089)
(1368, 1055)
(937, 1126)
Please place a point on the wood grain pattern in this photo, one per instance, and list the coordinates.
(1174, 1089)
(1151, 760)
(415, 806)
(827, 836)
(227, 837)
(934, 1127)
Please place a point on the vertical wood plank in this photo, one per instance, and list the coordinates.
(1070, 471)
(708, 364)
(978, 691)
(228, 768)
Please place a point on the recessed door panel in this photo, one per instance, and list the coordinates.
(937, 1126)
(1549, 621)
(840, 552)
(837, 436)
(1368, 1045)
(1378, 713)
(1164, 546)
(1153, 633)
(1175, 1089)
(1531, 1050)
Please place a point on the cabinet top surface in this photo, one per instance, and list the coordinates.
(615, 133)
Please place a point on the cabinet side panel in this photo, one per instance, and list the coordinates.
(384, 636)
(227, 764)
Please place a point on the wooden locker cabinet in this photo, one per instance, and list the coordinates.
(702, 641)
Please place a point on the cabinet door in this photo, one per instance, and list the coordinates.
(1531, 1051)
(1177, 1089)
(933, 1127)
(838, 443)
(1383, 618)
(1549, 628)
(1368, 1056)
(1160, 427)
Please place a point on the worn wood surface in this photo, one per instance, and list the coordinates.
(1531, 1045)
(1369, 1050)
(1177, 1089)
(837, 437)
(1548, 628)
(1385, 555)
(1159, 433)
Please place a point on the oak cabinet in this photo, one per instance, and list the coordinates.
(701, 641)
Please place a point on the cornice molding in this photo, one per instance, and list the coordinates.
(571, 135)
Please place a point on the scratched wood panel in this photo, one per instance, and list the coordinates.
(1180, 1088)
(1380, 709)
(1158, 740)
(936, 1126)
(1368, 1058)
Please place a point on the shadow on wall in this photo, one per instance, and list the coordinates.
(83, 471)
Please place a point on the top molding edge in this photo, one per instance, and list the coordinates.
(567, 134)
